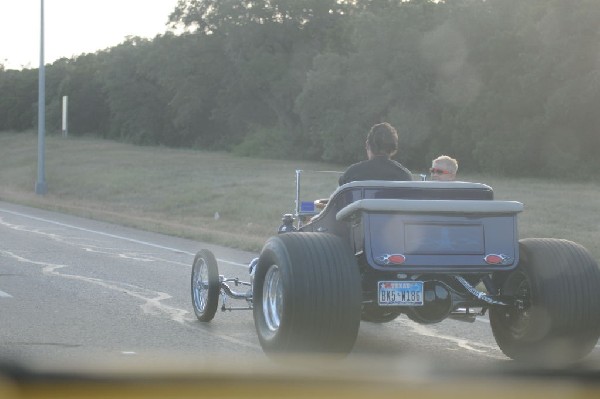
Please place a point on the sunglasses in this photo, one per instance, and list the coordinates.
(435, 171)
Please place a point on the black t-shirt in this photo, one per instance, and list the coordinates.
(377, 168)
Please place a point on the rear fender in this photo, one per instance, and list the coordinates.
(417, 236)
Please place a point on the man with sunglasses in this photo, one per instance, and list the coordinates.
(444, 168)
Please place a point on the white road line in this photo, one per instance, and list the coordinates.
(5, 295)
(146, 243)
(152, 300)
(473, 346)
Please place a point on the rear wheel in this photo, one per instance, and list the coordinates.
(307, 295)
(555, 315)
(205, 285)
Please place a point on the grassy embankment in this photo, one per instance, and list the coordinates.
(178, 192)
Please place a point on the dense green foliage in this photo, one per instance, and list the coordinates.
(506, 86)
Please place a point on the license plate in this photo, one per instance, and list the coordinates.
(400, 293)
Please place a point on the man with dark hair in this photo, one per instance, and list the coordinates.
(381, 145)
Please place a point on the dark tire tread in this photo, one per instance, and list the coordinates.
(565, 283)
(322, 294)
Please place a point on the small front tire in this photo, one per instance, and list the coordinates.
(205, 285)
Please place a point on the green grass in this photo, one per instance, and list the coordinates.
(178, 192)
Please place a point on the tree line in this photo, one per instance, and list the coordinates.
(505, 86)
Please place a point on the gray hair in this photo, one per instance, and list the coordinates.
(449, 163)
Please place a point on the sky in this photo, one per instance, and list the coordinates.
(74, 27)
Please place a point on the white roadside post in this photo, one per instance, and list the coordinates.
(65, 107)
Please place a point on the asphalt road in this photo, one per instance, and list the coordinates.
(72, 288)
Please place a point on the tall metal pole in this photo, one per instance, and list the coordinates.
(40, 186)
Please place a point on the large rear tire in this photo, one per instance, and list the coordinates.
(556, 314)
(307, 295)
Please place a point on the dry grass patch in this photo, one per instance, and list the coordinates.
(178, 192)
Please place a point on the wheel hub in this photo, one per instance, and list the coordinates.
(519, 316)
(272, 300)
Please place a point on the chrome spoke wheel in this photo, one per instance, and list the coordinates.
(200, 285)
(205, 285)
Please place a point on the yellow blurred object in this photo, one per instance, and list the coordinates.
(313, 378)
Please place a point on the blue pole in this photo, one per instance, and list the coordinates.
(40, 186)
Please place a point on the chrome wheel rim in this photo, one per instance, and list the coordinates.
(272, 300)
(200, 285)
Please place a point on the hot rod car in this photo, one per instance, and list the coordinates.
(428, 250)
